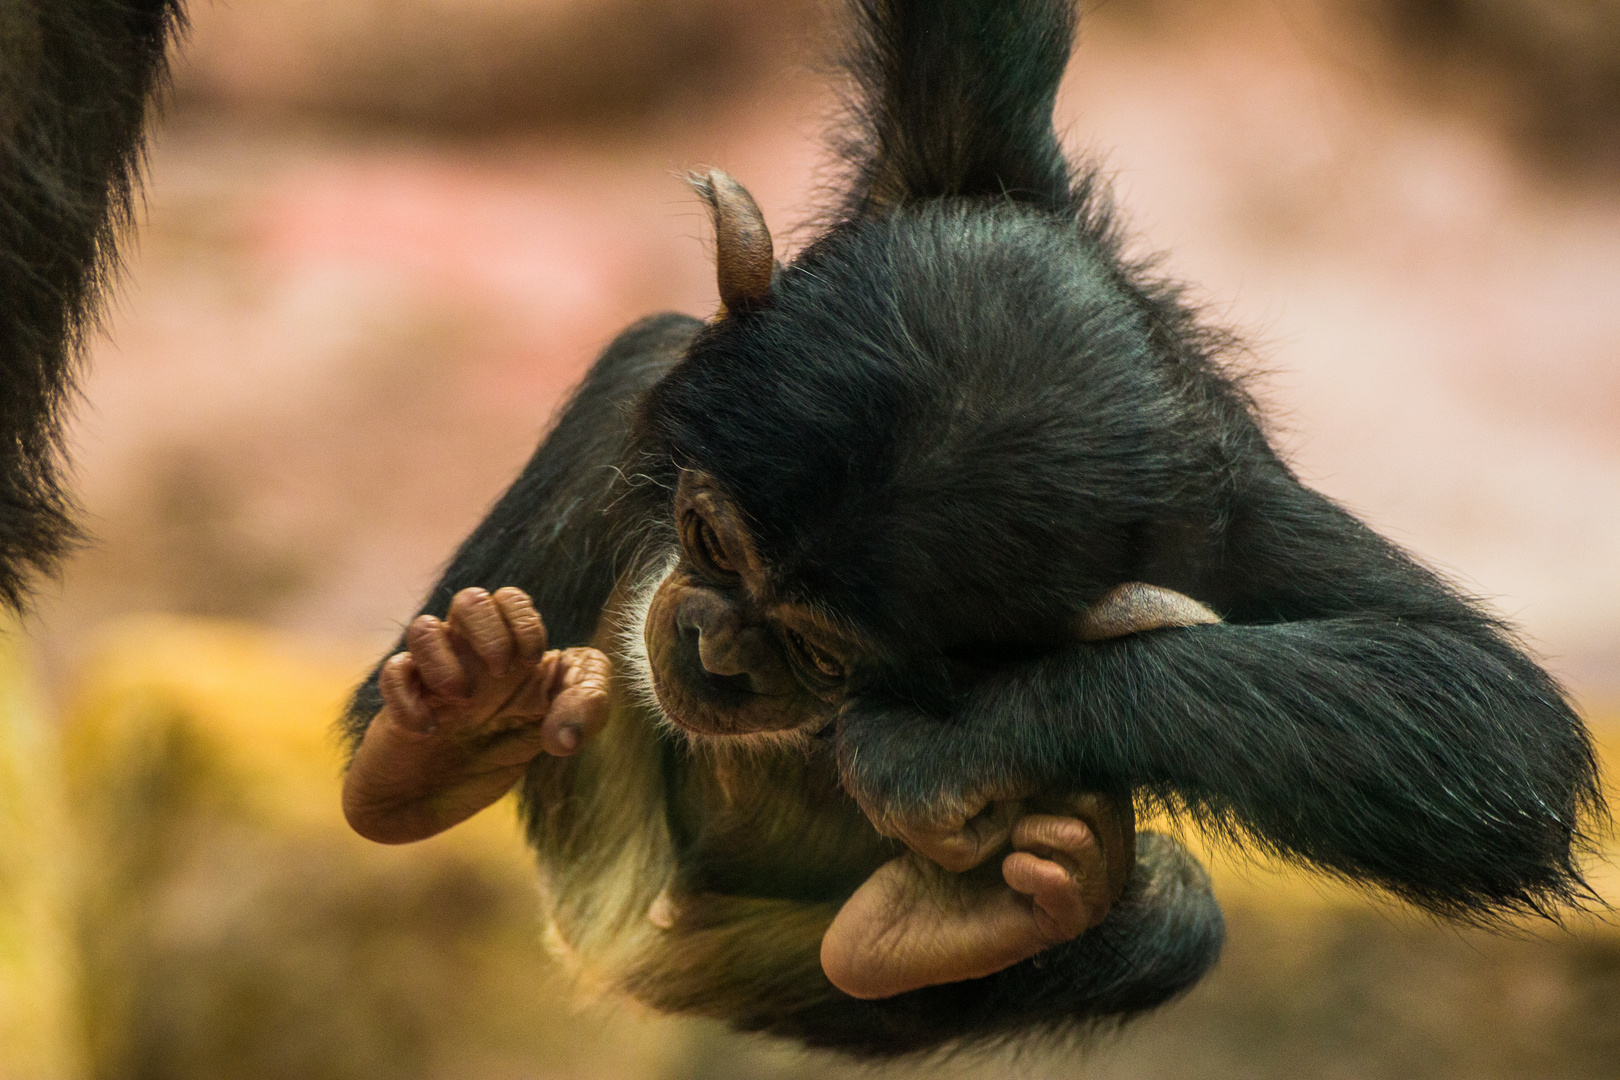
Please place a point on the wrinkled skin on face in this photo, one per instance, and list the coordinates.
(728, 655)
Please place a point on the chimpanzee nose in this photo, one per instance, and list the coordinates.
(727, 647)
(713, 624)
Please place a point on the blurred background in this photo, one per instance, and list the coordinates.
(384, 237)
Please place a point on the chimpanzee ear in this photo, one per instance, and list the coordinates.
(744, 257)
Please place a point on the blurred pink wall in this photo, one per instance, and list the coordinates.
(340, 338)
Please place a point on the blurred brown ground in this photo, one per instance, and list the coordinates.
(196, 909)
(385, 238)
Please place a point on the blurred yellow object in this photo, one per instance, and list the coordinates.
(38, 1037)
(264, 710)
(231, 925)
(204, 913)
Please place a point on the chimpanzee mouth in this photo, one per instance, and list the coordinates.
(642, 685)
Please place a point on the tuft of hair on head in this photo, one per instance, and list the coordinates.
(955, 98)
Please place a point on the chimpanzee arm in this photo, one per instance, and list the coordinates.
(1352, 713)
(565, 530)
(76, 77)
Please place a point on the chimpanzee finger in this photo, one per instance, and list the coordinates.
(531, 701)
(527, 628)
(1070, 844)
(1061, 908)
(964, 846)
(478, 621)
(397, 682)
(581, 705)
(586, 670)
(1112, 820)
(435, 658)
(1135, 607)
(1065, 840)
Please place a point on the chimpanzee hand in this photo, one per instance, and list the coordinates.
(950, 788)
(913, 924)
(472, 701)
(958, 831)
(929, 782)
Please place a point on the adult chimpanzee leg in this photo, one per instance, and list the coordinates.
(76, 81)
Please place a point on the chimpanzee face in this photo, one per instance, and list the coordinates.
(729, 655)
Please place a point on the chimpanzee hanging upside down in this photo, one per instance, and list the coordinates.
(950, 532)
(878, 599)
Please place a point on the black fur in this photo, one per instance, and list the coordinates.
(580, 517)
(76, 81)
(961, 419)
(955, 97)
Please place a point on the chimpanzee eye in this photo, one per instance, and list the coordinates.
(815, 657)
(704, 543)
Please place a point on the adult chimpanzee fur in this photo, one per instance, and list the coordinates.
(76, 77)
(961, 417)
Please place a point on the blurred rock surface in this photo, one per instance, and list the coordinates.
(1549, 70)
(39, 1034)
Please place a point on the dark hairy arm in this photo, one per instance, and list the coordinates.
(1353, 713)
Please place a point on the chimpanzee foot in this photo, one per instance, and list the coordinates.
(914, 924)
(474, 698)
